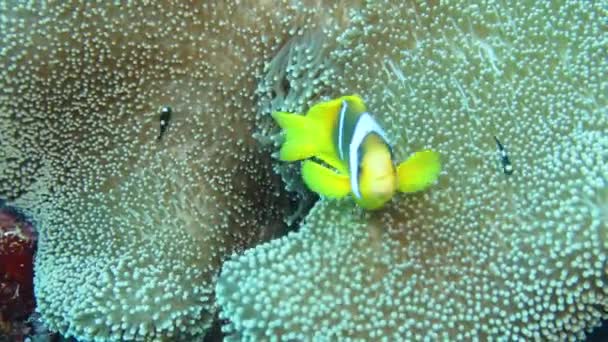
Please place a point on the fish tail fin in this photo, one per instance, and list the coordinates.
(419, 171)
(298, 143)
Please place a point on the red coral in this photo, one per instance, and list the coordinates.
(17, 247)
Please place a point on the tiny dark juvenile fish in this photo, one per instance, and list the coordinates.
(165, 117)
(507, 168)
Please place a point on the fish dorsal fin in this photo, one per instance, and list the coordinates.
(365, 125)
(327, 128)
(319, 112)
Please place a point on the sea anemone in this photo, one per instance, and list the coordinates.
(133, 228)
(484, 254)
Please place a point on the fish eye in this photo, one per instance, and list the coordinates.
(165, 115)
(165, 110)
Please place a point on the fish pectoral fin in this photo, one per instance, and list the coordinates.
(419, 171)
(324, 181)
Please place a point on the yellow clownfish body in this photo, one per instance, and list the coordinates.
(345, 151)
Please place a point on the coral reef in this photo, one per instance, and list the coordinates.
(483, 254)
(17, 246)
(133, 228)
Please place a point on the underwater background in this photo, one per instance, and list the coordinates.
(142, 197)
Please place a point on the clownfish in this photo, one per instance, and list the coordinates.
(345, 151)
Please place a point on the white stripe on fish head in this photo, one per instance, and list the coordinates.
(364, 126)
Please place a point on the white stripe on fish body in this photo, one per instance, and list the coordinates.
(365, 125)
(341, 129)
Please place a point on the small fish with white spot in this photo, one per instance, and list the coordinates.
(165, 117)
(507, 168)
